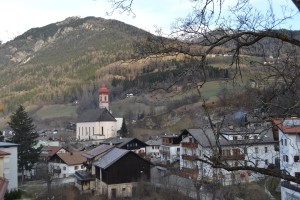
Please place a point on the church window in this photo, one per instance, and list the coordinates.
(102, 131)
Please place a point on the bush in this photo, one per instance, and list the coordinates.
(13, 194)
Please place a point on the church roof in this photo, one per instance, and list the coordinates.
(97, 115)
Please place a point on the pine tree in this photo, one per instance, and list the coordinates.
(123, 131)
(26, 136)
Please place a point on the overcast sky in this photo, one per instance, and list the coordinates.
(18, 16)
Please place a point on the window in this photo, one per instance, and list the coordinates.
(285, 142)
(93, 131)
(285, 158)
(235, 137)
(296, 158)
(245, 163)
(102, 130)
(256, 149)
(76, 167)
(236, 152)
(297, 174)
(82, 166)
(266, 149)
(246, 137)
(64, 168)
(236, 164)
(256, 162)
(266, 162)
(123, 189)
(282, 142)
(245, 150)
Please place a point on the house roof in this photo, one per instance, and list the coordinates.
(154, 142)
(97, 151)
(120, 141)
(51, 151)
(8, 144)
(206, 138)
(110, 158)
(288, 125)
(96, 115)
(72, 158)
(3, 153)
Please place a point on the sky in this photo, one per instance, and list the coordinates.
(18, 16)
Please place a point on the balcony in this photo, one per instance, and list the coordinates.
(189, 145)
(189, 157)
(233, 157)
(290, 186)
(190, 172)
(164, 152)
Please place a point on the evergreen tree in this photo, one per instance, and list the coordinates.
(123, 131)
(26, 136)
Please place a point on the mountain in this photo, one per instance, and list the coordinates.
(52, 63)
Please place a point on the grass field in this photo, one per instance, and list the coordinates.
(56, 111)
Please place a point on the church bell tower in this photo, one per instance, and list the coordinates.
(103, 97)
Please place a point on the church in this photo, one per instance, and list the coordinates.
(100, 123)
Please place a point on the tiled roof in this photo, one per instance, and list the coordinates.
(97, 115)
(72, 158)
(110, 158)
(50, 151)
(288, 125)
(97, 151)
(3, 153)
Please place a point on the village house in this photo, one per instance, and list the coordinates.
(132, 144)
(170, 148)
(10, 164)
(152, 150)
(239, 148)
(288, 132)
(98, 124)
(48, 151)
(63, 165)
(118, 172)
(86, 178)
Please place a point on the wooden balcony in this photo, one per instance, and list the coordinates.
(234, 157)
(189, 157)
(190, 172)
(189, 145)
(164, 152)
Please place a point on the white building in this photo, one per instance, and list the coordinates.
(10, 164)
(152, 150)
(170, 148)
(98, 124)
(289, 147)
(239, 148)
(63, 165)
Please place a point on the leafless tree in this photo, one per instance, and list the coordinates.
(244, 33)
